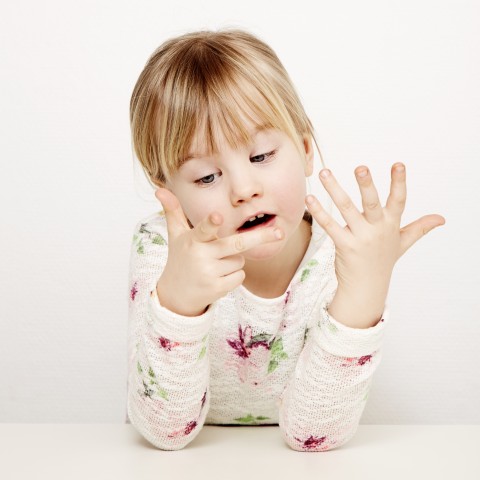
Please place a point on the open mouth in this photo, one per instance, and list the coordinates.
(260, 220)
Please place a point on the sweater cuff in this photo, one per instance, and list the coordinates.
(340, 340)
(177, 327)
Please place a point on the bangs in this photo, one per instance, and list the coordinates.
(235, 116)
(224, 106)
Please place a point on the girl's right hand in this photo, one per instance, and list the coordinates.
(201, 267)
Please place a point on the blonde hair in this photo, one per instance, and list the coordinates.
(213, 81)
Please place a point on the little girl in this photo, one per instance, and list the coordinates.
(244, 307)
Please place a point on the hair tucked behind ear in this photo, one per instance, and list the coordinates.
(213, 82)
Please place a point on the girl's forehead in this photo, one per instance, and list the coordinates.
(199, 148)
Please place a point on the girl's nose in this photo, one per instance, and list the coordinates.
(245, 186)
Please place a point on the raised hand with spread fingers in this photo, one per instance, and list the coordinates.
(369, 245)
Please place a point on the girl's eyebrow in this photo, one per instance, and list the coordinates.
(253, 134)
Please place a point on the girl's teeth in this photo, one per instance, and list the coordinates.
(258, 216)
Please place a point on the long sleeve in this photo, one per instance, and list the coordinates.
(168, 366)
(321, 407)
(283, 360)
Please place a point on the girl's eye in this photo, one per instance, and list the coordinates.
(262, 157)
(207, 179)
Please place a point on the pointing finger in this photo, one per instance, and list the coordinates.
(176, 221)
(338, 234)
(240, 242)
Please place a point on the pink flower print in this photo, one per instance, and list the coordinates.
(133, 291)
(245, 343)
(287, 296)
(244, 347)
(190, 426)
(350, 362)
(365, 359)
(185, 430)
(311, 442)
(204, 398)
(167, 344)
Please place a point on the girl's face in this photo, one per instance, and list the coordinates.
(264, 181)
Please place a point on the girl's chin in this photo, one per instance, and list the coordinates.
(264, 252)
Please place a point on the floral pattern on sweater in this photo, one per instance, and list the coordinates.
(244, 345)
(284, 361)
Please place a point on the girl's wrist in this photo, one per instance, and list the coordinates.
(182, 307)
(357, 311)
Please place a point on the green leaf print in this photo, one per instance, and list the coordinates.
(305, 274)
(261, 337)
(276, 354)
(272, 366)
(277, 346)
(162, 393)
(251, 419)
(332, 328)
(204, 348)
(306, 271)
(150, 385)
(159, 240)
(156, 240)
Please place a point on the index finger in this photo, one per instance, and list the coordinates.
(240, 242)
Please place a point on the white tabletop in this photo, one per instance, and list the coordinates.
(104, 451)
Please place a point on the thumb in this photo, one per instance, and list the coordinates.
(176, 221)
(414, 231)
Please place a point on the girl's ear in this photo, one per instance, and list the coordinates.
(307, 143)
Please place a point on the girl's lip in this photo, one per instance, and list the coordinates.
(269, 223)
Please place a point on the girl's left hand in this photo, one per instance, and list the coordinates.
(368, 247)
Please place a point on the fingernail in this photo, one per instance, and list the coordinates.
(278, 234)
(399, 168)
(362, 173)
(325, 173)
(309, 199)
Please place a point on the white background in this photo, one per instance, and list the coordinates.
(382, 81)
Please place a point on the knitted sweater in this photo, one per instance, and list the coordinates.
(247, 360)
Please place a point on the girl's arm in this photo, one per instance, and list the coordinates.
(173, 294)
(168, 367)
(321, 407)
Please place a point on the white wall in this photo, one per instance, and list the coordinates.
(383, 81)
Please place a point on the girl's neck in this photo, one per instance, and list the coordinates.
(270, 278)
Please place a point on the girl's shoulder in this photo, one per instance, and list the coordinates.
(153, 226)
